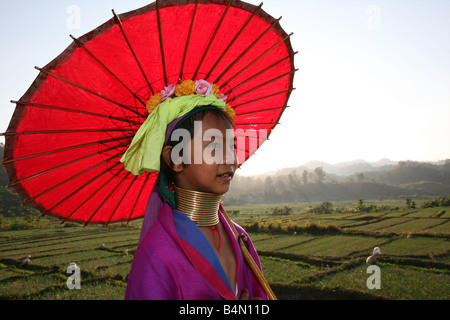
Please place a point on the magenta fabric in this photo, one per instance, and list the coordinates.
(154, 201)
(151, 212)
(175, 261)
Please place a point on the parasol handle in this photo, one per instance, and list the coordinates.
(256, 271)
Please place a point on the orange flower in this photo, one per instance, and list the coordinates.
(153, 102)
(230, 112)
(186, 88)
(216, 90)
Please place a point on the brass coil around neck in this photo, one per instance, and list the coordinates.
(200, 207)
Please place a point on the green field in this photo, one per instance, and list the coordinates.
(304, 255)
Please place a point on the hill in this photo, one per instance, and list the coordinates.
(319, 181)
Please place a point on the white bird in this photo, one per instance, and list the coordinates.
(26, 260)
(409, 235)
(372, 258)
(125, 253)
(376, 250)
(102, 246)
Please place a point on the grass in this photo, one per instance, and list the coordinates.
(326, 246)
(281, 242)
(396, 282)
(417, 246)
(100, 290)
(285, 270)
(323, 259)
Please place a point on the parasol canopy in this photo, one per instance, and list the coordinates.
(70, 129)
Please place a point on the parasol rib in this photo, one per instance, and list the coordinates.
(260, 57)
(65, 131)
(257, 124)
(64, 149)
(59, 167)
(119, 23)
(91, 195)
(247, 153)
(233, 41)
(260, 141)
(261, 110)
(262, 85)
(78, 42)
(255, 75)
(212, 39)
(188, 39)
(247, 50)
(262, 137)
(87, 90)
(237, 148)
(106, 198)
(76, 111)
(70, 179)
(86, 200)
(161, 43)
(121, 199)
(79, 189)
(138, 196)
(262, 98)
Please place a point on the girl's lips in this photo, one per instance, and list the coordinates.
(228, 176)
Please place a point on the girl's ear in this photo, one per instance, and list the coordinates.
(167, 156)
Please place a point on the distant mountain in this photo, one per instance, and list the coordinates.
(383, 179)
(343, 168)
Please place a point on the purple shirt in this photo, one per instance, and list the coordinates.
(175, 261)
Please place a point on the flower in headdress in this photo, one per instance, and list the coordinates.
(167, 92)
(203, 87)
(216, 90)
(223, 97)
(230, 112)
(153, 102)
(186, 88)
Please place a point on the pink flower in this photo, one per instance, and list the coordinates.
(168, 92)
(223, 97)
(202, 87)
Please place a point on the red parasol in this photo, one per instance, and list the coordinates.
(75, 122)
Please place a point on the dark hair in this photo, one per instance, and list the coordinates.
(189, 124)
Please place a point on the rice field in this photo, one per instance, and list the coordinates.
(329, 263)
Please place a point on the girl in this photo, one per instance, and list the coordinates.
(189, 248)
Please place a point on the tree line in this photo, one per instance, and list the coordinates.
(406, 180)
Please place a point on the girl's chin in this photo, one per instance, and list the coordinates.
(222, 189)
(219, 186)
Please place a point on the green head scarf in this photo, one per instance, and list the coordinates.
(145, 150)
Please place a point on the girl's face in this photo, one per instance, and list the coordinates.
(213, 174)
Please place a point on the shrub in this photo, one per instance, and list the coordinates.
(443, 202)
(323, 208)
(282, 211)
(291, 227)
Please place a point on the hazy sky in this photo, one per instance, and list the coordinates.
(373, 79)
